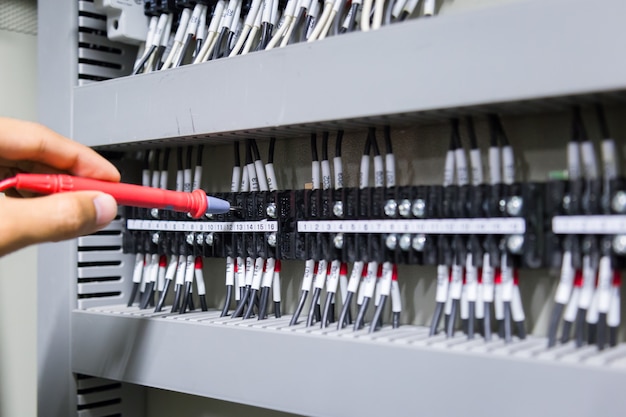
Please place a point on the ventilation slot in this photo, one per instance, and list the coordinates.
(104, 271)
(99, 59)
(97, 397)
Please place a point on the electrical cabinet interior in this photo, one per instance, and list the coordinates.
(518, 59)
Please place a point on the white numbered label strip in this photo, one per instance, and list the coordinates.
(183, 226)
(589, 225)
(428, 226)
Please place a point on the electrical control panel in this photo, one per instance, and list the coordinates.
(389, 239)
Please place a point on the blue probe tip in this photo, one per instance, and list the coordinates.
(217, 205)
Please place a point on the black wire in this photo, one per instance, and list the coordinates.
(338, 143)
(250, 309)
(378, 314)
(360, 318)
(229, 297)
(198, 47)
(237, 157)
(452, 319)
(604, 127)
(554, 323)
(133, 294)
(161, 301)
(156, 62)
(143, 61)
(508, 331)
(388, 147)
(470, 322)
(248, 152)
(454, 134)
(374, 142)
(328, 305)
(296, 315)
(263, 303)
(146, 159)
(242, 302)
(338, 19)
(471, 132)
(353, 11)
(165, 161)
(493, 130)
(188, 159)
(255, 150)
(325, 136)
(453, 142)
(403, 16)
(368, 145)
(314, 305)
(295, 37)
(601, 335)
(229, 41)
(578, 127)
(270, 152)
(179, 158)
(487, 322)
(183, 51)
(345, 311)
(579, 327)
(199, 155)
(305, 27)
(218, 44)
(388, 11)
(268, 35)
(504, 140)
(434, 324)
(314, 147)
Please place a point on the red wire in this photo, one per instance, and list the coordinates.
(8, 183)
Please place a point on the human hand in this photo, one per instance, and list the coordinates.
(30, 147)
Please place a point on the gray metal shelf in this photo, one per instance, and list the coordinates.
(526, 50)
(341, 373)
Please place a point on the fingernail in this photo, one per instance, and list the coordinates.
(106, 209)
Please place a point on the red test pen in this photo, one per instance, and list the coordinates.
(197, 203)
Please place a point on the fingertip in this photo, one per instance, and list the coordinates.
(106, 209)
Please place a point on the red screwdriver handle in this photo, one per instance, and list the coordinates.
(194, 203)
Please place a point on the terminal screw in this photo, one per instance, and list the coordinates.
(419, 242)
(404, 208)
(515, 244)
(338, 209)
(154, 213)
(390, 208)
(271, 210)
(405, 242)
(391, 242)
(514, 206)
(156, 238)
(272, 239)
(190, 238)
(419, 208)
(619, 244)
(209, 239)
(338, 241)
(200, 239)
(618, 204)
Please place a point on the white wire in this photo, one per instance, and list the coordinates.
(379, 10)
(365, 15)
(178, 38)
(249, 22)
(207, 46)
(321, 22)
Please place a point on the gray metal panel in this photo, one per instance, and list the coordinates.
(56, 286)
(518, 51)
(340, 375)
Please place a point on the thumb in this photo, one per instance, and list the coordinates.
(52, 218)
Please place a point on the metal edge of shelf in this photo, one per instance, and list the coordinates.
(508, 53)
(322, 375)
